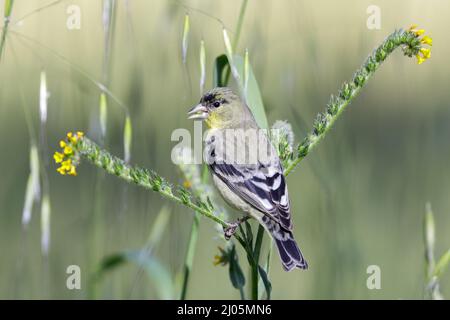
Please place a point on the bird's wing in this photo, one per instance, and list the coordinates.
(262, 186)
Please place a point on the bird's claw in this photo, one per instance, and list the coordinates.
(230, 230)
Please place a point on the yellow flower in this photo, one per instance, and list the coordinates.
(426, 53)
(222, 258)
(420, 59)
(68, 154)
(58, 156)
(73, 171)
(187, 184)
(217, 260)
(68, 150)
(418, 32)
(427, 40)
(66, 164)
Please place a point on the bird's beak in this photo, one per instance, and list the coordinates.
(198, 112)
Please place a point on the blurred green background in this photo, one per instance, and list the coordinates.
(357, 200)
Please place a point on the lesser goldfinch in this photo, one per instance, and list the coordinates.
(257, 188)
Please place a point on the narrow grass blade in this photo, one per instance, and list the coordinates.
(185, 40)
(45, 224)
(429, 238)
(103, 112)
(33, 189)
(159, 226)
(127, 139)
(34, 168)
(189, 260)
(28, 203)
(156, 271)
(107, 15)
(6, 19)
(253, 98)
(265, 280)
(43, 96)
(442, 264)
(202, 66)
(246, 73)
(8, 7)
(229, 53)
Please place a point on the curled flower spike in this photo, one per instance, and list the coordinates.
(422, 54)
(68, 157)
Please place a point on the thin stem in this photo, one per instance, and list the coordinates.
(255, 265)
(102, 87)
(190, 254)
(145, 178)
(8, 9)
(239, 24)
(411, 45)
(241, 293)
(237, 35)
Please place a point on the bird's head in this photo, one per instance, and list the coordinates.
(219, 107)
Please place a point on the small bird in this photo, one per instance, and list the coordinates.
(258, 187)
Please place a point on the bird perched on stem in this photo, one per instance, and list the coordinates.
(247, 170)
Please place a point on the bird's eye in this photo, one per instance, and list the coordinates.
(216, 104)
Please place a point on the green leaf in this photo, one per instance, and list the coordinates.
(158, 273)
(253, 94)
(245, 71)
(110, 262)
(220, 66)
(442, 264)
(237, 277)
(266, 281)
(249, 234)
(158, 227)
(8, 7)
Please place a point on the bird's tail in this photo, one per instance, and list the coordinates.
(290, 253)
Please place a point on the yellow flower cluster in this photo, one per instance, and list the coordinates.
(65, 158)
(424, 53)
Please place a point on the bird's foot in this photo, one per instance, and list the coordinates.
(229, 231)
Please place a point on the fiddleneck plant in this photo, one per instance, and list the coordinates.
(412, 42)
(76, 147)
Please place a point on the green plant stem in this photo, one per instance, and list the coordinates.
(150, 180)
(256, 253)
(241, 293)
(238, 34)
(6, 19)
(410, 44)
(143, 177)
(192, 244)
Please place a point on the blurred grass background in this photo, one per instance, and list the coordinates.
(357, 200)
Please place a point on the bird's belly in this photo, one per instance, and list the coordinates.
(230, 197)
